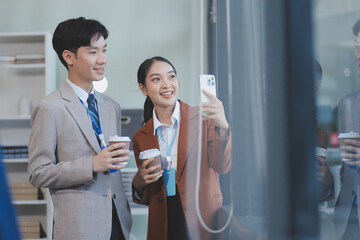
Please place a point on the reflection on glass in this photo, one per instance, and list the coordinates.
(346, 217)
(339, 217)
(324, 175)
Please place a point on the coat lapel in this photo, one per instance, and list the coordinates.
(188, 136)
(79, 114)
(150, 140)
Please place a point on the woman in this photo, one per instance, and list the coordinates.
(173, 127)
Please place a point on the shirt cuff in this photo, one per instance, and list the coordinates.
(217, 130)
(138, 196)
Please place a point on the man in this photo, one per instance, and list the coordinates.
(346, 215)
(67, 148)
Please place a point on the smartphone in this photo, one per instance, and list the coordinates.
(208, 83)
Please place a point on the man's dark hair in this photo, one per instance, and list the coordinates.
(356, 28)
(74, 33)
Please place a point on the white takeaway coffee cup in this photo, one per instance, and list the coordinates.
(349, 135)
(118, 139)
(152, 153)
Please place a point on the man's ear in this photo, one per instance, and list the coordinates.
(143, 89)
(68, 57)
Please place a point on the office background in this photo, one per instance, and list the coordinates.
(138, 30)
(141, 29)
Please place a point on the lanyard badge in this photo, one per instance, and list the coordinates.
(168, 146)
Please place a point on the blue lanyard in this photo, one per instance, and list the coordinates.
(97, 127)
(168, 146)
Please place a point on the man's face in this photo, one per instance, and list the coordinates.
(357, 51)
(90, 61)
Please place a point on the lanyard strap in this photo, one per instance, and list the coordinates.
(97, 127)
(168, 146)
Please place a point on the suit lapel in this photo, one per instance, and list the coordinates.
(104, 114)
(79, 114)
(355, 109)
(189, 131)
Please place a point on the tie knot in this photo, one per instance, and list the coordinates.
(91, 99)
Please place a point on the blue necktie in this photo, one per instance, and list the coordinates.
(94, 115)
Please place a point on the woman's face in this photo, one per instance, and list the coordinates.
(161, 85)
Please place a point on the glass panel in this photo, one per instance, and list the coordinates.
(224, 185)
(336, 34)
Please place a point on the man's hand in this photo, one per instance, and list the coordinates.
(111, 157)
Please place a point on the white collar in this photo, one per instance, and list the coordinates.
(81, 93)
(174, 116)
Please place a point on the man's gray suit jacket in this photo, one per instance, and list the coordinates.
(61, 148)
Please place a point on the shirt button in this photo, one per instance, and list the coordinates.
(159, 199)
(114, 196)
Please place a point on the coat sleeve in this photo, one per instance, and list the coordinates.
(219, 149)
(44, 169)
(145, 197)
(327, 186)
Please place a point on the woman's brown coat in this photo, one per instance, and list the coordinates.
(216, 157)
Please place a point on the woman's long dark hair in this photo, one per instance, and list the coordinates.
(141, 75)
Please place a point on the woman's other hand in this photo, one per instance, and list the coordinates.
(145, 176)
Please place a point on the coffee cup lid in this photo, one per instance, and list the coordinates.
(349, 135)
(150, 153)
(117, 138)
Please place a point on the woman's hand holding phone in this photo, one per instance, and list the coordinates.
(215, 111)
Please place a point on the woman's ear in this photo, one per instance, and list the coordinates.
(143, 89)
(68, 57)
